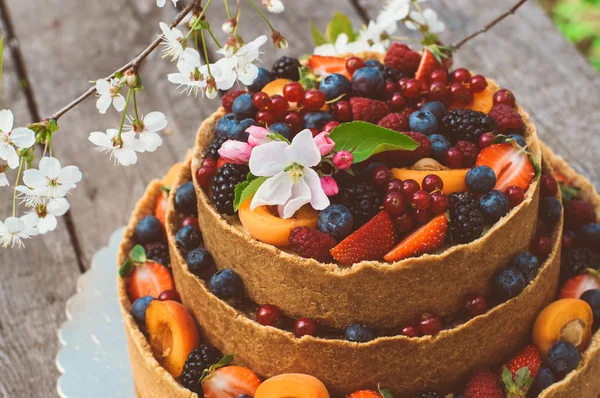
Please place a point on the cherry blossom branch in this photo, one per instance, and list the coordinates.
(133, 64)
(490, 25)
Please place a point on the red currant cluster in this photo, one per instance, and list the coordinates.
(206, 172)
(270, 315)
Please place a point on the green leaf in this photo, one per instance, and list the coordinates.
(536, 165)
(226, 360)
(307, 78)
(364, 140)
(247, 191)
(317, 36)
(523, 379)
(339, 24)
(277, 137)
(384, 393)
(238, 191)
(568, 192)
(126, 268)
(138, 254)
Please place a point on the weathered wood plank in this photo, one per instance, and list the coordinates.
(527, 54)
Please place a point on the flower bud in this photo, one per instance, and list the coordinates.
(236, 151)
(258, 135)
(324, 143)
(229, 26)
(274, 6)
(329, 185)
(211, 87)
(132, 79)
(279, 41)
(343, 160)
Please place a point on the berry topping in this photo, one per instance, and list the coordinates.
(304, 327)
(229, 97)
(589, 236)
(243, 107)
(478, 84)
(527, 361)
(439, 203)
(369, 242)
(430, 324)
(397, 121)
(368, 110)
(229, 382)
(548, 185)
(213, 150)
(407, 158)
(361, 198)
(579, 212)
(515, 195)
(368, 82)
(576, 286)
(354, 63)
(159, 253)
(286, 68)
(188, 238)
(505, 97)
(423, 122)
(324, 66)
(475, 305)
(470, 151)
(139, 308)
(435, 107)
(527, 263)
(150, 279)
(550, 211)
(454, 158)
(429, 68)
(481, 179)
(544, 379)
(563, 357)
(336, 220)
(359, 333)
(466, 218)
(170, 295)
(460, 75)
(508, 283)
(197, 361)
(484, 384)
(439, 146)
(508, 120)
(432, 182)
(226, 284)
(311, 243)
(223, 186)
(334, 86)
(185, 199)
(317, 120)
(268, 315)
(494, 205)
(465, 124)
(401, 57)
(592, 297)
(199, 261)
(511, 165)
(264, 77)
(424, 240)
(148, 230)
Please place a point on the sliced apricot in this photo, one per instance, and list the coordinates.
(482, 102)
(275, 87)
(169, 179)
(292, 385)
(454, 180)
(172, 334)
(563, 320)
(266, 227)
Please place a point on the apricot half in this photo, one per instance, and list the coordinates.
(172, 334)
(482, 102)
(563, 320)
(292, 385)
(454, 180)
(266, 227)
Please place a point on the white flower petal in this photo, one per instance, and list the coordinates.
(8, 153)
(300, 197)
(14, 224)
(126, 156)
(47, 224)
(103, 87)
(275, 191)
(161, 3)
(150, 141)
(318, 199)
(50, 167)
(119, 103)
(303, 149)
(103, 103)
(70, 174)
(3, 180)
(155, 121)
(6, 120)
(35, 179)
(269, 159)
(23, 137)
(58, 207)
(100, 139)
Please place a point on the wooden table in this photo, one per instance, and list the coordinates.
(57, 46)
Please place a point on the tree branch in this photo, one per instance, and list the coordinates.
(134, 63)
(489, 26)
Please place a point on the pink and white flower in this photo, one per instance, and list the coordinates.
(330, 186)
(324, 143)
(258, 135)
(236, 151)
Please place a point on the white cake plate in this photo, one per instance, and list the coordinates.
(93, 358)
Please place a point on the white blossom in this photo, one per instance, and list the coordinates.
(45, 217)
(161, 3)
(189, 79)
(120, 151)
(145, 131)
(428, 18)
(173, 38)
(13, 230)
(52, 180)
(239, 64)
(13, 139)
(109, 94)
(32, 197)
(3, 180)
(274, 6)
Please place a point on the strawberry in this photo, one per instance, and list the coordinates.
(324, 66)
(230, 382)
(424, 240)
(575, 287)
(365, 394)
(149, 279)
(512, 165)
(428, 64)
(483, 384)
(369, 242)
(162, 203)
(519, 372)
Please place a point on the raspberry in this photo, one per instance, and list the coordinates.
(311, 243)
(401, 57)
(470, 150)
(397, 121)
(579, 212)
(507, 119)
(227, 100)
(424, 149)
(368, 110)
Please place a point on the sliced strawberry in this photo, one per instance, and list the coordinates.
(424, 240)
(162, 203)
(561, 177)
(575, 287)
(512, 165)
(369, 242)
(150, 279)
(230, 382)
(324, 66)
(428, 64)
(365, 394)
(221, 162)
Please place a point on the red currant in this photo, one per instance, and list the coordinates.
(380, 177)
(261, 100)
(505, 97)
(548, 186)
(330, 126)
(439, 203)
(486, 139)
(314, 99)
(209, 162)
(191, 221)
(422, 216)
(409, 187)
(268, 315)
(421, 200)
(279, 105)
(460, 75)
(293, 120)
(404, 222)
(410, 330)
(460, 94)
(205, 174)
(412, 89)
(170, 295)
(478, 84)
(304, 327)
(430, 324)
(353, 64)
(568, 240)
(391, 87)
(397, 102)
(439, 75)
(293, 92)
(515, 195)
(541, 246)
(438, 91)
(475, 305)
(265, 117)
(342, 111)
(432, 182)
(402, 82)
(394, 185)
(454, 158)
(394, 203)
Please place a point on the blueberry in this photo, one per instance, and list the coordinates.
(508, 283)
(543, 380)
(423, 122)
(317, 120)
(368, 82)
(149, 229)
(494, 205)
(238, 131)
(550, 211)
(367, 170)
(226, 284)
(563, 357)
(199, 261)
(589, 235)
(264, 77)
(439, 146)
(527, 263)
(188, 238)
(225, 124)
(435, 107)
(592, 297)
(373, 63)
(337, 221)
(520, 140)
(185, 199)
(359, 333)
(243, 107)
(335, 85)
(282, 129)
(481, 179)
(139, 307)
(244, 396)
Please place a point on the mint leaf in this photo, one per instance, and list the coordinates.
(339, 24)
(126, 268)
(247, 192)
(364, 140)
(277, 137)
(226, 360)
(138, 254)
(384, 393)
(568, 192)
(317, 36)
(523, 379)
(307, 78)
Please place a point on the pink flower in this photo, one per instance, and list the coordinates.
(343, 160)
(329, 185)
(258, 135)
(324, 143)
(235, 151)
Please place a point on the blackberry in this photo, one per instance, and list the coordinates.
(466, 218)
(286, 68)
(198, 360)
(159, 253)
(467, 125)
(361, 198)
(575, 261)
(223, 186)
(213, 150)
(390, 73)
